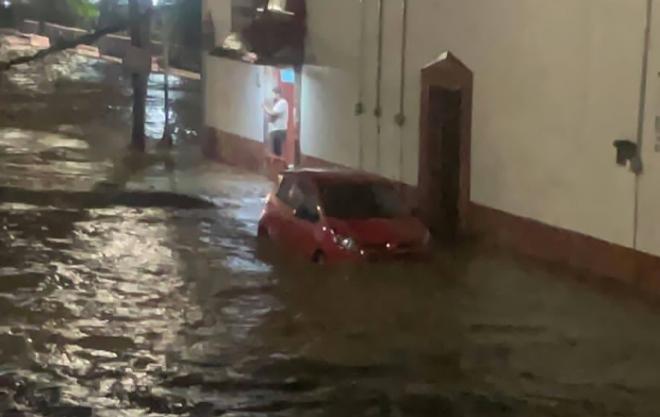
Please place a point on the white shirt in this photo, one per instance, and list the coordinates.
(280, 119)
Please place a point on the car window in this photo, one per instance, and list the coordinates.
(361, 200)
(308, 208)
(284, 191)
(295, 196)
(300, 195)
(291, 191)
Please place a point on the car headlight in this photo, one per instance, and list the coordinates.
(346, 243)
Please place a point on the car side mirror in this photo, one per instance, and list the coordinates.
(304, 213)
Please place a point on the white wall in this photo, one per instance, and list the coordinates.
(234, 98)
(328, 125)
(556, 82)
(649, 184)
(234, 94)
(329, 87)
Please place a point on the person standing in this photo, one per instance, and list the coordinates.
(278, 121)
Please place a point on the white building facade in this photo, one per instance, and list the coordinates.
(546, 89)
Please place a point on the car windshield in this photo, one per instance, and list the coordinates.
(361, 200)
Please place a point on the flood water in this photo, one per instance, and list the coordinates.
(119, 298)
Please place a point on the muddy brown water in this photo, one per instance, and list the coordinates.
(114, 308)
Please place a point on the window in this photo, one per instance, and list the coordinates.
(286, 186)
(308, 209)
(361, 200)
(290, 192)
(300, 196)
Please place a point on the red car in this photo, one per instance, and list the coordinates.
(334, 216)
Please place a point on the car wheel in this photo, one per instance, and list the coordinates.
(318, 258)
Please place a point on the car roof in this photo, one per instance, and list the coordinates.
(334, 174)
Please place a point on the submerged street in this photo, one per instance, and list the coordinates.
(133, 286)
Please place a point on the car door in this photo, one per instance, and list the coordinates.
(281, 211)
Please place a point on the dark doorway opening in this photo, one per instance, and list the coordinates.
(444, 161)
(444, 165)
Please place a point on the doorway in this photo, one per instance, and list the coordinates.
(444, 166)
(288, 81)
(444, 163)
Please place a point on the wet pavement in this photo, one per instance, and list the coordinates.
(121, 297)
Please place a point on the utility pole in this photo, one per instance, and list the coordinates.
(140, 15)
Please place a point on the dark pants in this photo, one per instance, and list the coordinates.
(278, 137)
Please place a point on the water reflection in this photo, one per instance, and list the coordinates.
(167, 310)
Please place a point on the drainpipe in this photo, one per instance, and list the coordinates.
(359, 106)
(400, 118)
(637, 163)
(378, 110)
